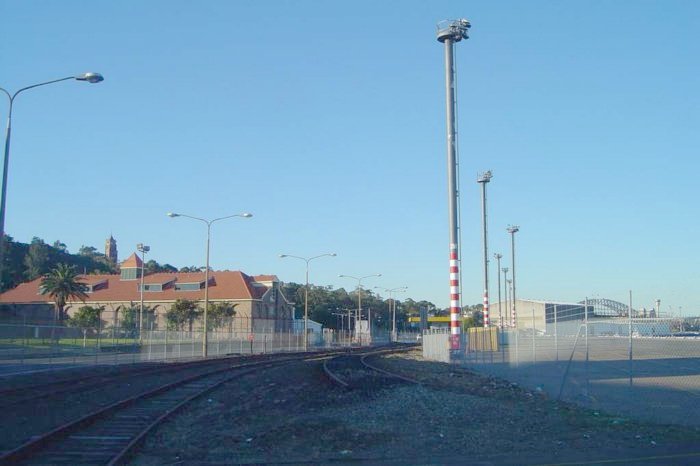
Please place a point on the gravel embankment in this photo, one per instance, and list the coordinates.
(45, 414)
(292, 414)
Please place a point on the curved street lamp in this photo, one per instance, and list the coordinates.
(89, 77)
(206, 270)
(359, 291)
(306, 290)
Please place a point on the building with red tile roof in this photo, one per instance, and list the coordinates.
(259, 303)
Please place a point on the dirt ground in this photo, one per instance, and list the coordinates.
(293, 415)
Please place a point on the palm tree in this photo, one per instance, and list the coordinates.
(63, 284)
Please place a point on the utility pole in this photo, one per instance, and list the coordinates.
(143, 249)
(450, 32)
(498, 272)
(483, 179)
(513, 229)
(505, 289)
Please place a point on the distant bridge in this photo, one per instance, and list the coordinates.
(609, 307)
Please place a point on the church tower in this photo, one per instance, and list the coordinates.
(111, 249)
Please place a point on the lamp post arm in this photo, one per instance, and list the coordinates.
(297, 257)
(224, 218)
(316, 257)
(196, 218)
(42, 84)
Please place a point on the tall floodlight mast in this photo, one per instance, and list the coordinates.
(482, 180)
(450, 32)
(513, 229)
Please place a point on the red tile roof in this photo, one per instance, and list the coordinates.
(266, 278)
(222, 286)
(133, 261)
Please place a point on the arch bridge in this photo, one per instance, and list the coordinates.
(609, 307)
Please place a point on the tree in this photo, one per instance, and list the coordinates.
(182, 311)
(130, 317)
(36, 261)
(154, 267)
(62, 284)
(87, 317)
(13, 269)
(220, 314)
(88, 251)
(60, 246)
(190, 269)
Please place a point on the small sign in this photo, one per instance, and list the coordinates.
(250, 337)
(454, 342)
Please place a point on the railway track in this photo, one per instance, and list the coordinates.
(109, 435)
(30, 393)
(355, 371)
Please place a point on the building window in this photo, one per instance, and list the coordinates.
(151, 287)
(188, 286)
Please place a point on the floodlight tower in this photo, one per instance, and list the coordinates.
(498, 258)
(483, 179)
(450, 32)
(513, 229)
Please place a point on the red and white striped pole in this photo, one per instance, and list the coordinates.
(450, 32)
(455, 306)
(486, 309)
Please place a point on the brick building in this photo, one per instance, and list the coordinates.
(260, 304)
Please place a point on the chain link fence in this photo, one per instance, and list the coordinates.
(644, 367)
(40, 347)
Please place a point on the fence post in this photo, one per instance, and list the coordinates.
(517, 347)
(165, 350)
(97, 347)
(534, 330)
(556, 335)
(587, 374)
(24, 345)
(586, 320)
(629, 339)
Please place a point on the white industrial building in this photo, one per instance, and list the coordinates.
(543, 316)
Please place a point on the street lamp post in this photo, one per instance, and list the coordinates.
(392, 307)
(505, 289)
(88, 77)
(498, 272)
(483, 180)
(359, 291)
(513, 229)
(143, 249)
(509, 298)
(206, 270)
(306, 290)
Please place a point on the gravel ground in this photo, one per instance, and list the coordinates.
(45, 414)
(294, 415)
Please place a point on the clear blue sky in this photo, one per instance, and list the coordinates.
(326, 121)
